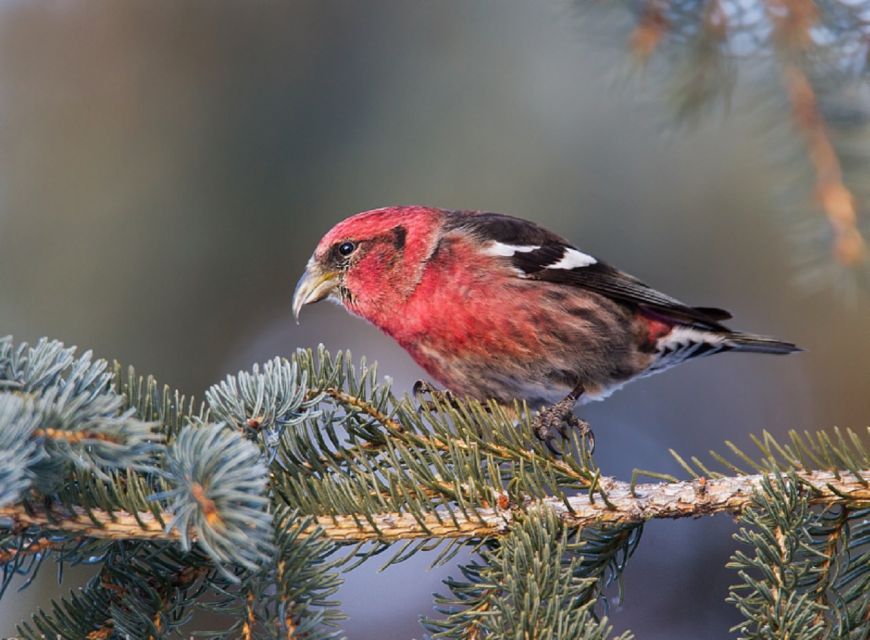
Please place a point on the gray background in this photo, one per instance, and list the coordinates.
(166, 169)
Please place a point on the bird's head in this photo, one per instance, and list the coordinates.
(371, 261)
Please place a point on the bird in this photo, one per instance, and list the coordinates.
(497, 308)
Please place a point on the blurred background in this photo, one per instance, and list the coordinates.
(167, 168)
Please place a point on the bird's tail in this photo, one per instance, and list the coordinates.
(752, 343)
(683, 343)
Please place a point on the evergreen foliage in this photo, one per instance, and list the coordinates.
(217, 497)
(536, 577)
(254, 502)
(807, 574)
(783, 578)
(808, 62)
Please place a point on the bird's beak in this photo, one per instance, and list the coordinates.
(314, 285)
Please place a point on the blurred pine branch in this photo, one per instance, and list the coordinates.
(821, 52)
(252, 503)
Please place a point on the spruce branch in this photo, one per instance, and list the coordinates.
(627, 505)
(531, 584)
(264, 399)
(141, 591)
(19, 454)
(217, 495)
(843, 537)
(293, 597)
(71, 413)
(780, 577)
(242, 504)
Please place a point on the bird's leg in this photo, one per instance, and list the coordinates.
(422, 389)
(552, 422)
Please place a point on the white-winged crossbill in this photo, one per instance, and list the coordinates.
(495, 307)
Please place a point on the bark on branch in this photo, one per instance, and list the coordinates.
(648, 501)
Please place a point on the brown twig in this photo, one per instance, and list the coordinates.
(835, 198)
(250, 620)
(291, 627)
(474, 629)
(209, 508)
(75, 437)
(288, 625)
(37, 546)
(364, 407)
(650, 30)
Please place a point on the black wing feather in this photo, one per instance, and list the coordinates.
(598, 277)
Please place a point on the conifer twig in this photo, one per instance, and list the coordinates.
(668, 500)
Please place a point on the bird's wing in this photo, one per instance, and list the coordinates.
(618, 285)
(539, 254)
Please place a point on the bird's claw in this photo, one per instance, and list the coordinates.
(585, 430)
(422, 389)
(552, 424)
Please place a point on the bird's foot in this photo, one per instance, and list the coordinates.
(552, 424)
(428, 397)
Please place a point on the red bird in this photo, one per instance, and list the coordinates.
(495, 307)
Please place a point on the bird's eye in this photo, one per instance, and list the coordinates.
(346, 248)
